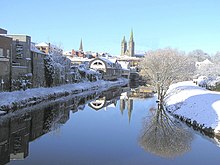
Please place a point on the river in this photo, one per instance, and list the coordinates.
(108, 128)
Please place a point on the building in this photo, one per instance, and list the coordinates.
(78, 53)
(3, 31)
(4, 142)
(204, 64)
(37, 67)
(49, 48)
(21, 60)
(5, 62)
(129, 51)
(110, 69)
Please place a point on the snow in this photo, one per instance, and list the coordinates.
(35, 49)
(193, 102)
(44, 44)
(36, 95)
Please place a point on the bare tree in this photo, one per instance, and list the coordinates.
(164, 136)
(164, 67)
(198, 55)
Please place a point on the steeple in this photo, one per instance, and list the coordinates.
(131, 44)
(123, 46)
(131, 36)
(123, 41)
(81, 46)
(128, 48)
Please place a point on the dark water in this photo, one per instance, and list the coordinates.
(101, 128)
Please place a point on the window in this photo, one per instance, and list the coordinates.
(19, 51)
(1, 52)
(8, 53)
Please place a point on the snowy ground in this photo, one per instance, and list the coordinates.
(19, 99)
(195, 103)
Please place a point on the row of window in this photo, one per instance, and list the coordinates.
(2, 53)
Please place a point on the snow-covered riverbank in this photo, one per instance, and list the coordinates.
(194, 104)
(19, 99)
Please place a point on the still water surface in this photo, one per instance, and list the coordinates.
(101, 129)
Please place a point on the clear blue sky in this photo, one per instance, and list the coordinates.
(182, 24)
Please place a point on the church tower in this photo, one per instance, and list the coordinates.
(128, 50)
(123, 46)
(131, 45)
(81, 46)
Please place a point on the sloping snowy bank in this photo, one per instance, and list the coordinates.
(20, 99)
(195, 104)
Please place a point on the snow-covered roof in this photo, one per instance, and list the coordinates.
(113, 60)
(42, 44)
(107, 61)
(35, 49)
(124, 64)
(125, 57)
(67, 53)
(205, 62)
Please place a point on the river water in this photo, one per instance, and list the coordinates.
(108, 128)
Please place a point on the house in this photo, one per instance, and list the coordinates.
(37, 67)
(125, 69)
(110, 69)
(5, 62)
(204, 64)
(21, 60)
(49, 48)
(3, 31)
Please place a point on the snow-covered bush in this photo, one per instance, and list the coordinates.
(202, 81)
(89, 74)
(49, 70)
(22, 83)
(58, 70)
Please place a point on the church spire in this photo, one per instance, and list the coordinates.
(123, 41)
(131, 44)
(81, 45)
(131, 37)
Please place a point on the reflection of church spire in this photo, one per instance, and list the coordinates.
(130, 108)
(122, 105)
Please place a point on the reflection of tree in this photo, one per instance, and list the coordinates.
(163, 136)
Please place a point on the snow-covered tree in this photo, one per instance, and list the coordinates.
(198, 55)
(49, 70)
(166, 66)
(216, 58)
(208, 69)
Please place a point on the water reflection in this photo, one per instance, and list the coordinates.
(23, 126)
(160, 134)
(163, 136)
(106, 99)
(109, 99)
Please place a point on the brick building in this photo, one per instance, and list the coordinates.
(37, 67)
(5, 61)
(21, 59)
